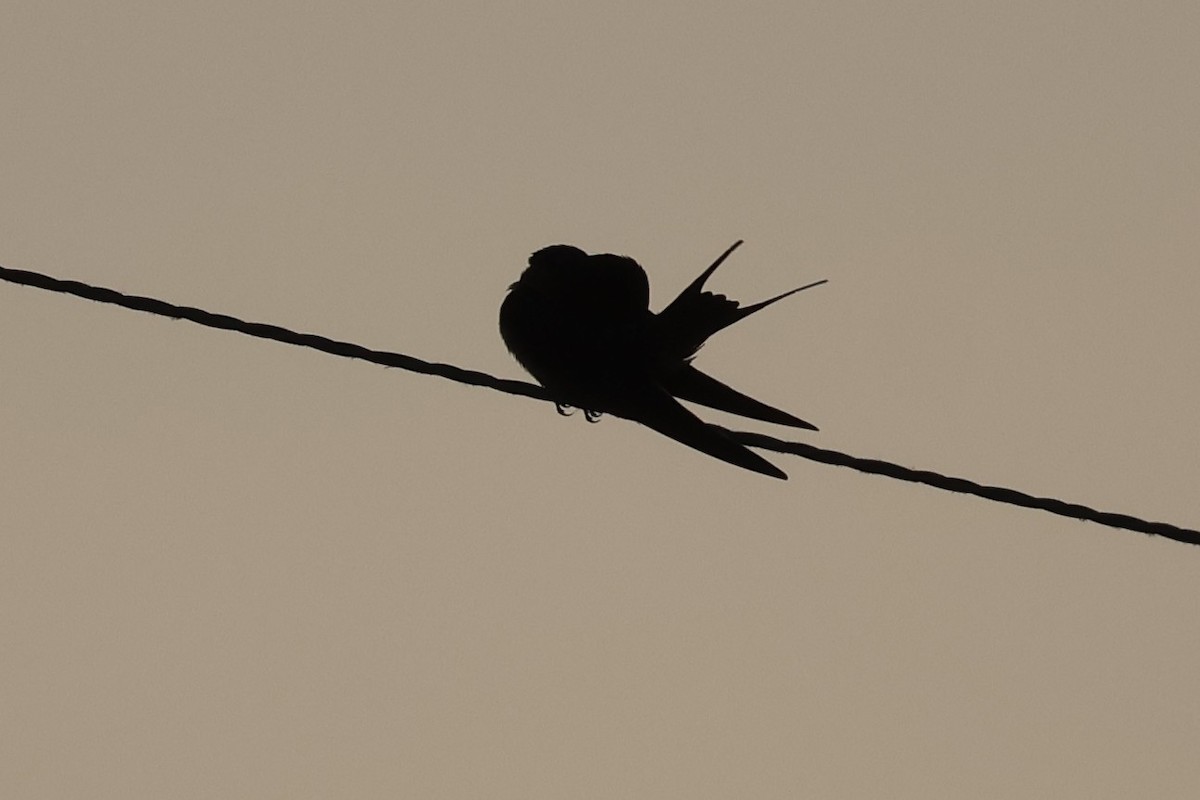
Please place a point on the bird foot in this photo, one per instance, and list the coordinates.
(566, 411)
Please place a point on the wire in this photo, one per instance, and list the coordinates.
(950, 483)
(523, 389)
(266, 331)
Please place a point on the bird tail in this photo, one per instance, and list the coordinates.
(657, 410)
(693, 385)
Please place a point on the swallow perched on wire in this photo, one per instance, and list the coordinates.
(582, 326)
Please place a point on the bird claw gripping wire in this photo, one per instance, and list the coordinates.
(567, 410)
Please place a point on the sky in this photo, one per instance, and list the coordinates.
(238, 569)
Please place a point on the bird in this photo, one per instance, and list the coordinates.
(581, 325)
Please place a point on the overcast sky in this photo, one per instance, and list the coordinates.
(238, 569)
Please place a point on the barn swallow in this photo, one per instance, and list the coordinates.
(582, 326)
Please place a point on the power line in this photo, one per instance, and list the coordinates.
(266, 331)
(473, 378)
(964, 486)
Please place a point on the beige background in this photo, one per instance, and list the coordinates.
(235, 569)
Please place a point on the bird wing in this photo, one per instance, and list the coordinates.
(652, 406)
(696, 314)
(693, 385)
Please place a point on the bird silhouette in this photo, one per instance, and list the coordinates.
(582, 326)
